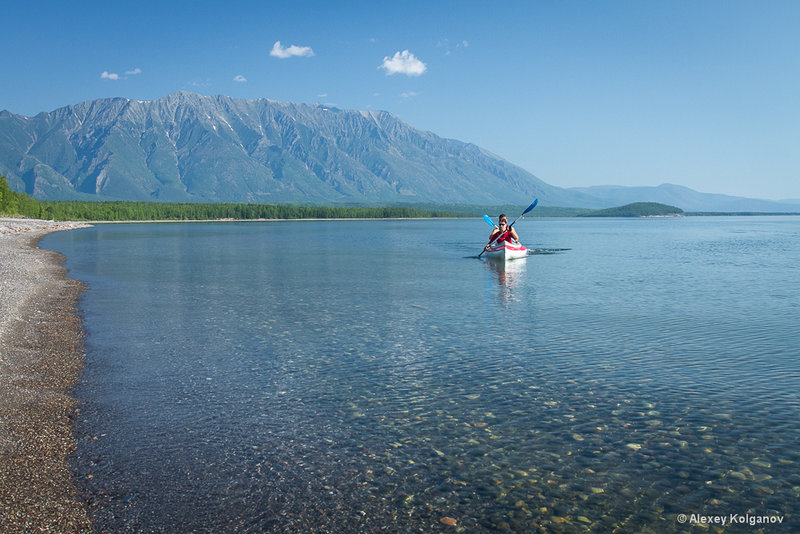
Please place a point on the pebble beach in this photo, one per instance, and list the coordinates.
(41, 353)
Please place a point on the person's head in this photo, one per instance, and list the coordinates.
(503, 220)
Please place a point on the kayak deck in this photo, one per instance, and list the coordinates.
(506, 251)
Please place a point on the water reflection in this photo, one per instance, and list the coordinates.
(509, 276)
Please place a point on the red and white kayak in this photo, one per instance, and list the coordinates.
(504, 251)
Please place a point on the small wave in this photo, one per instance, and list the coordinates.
(546, 251)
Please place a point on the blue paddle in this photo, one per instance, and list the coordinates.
(489, 221)
(536, 201)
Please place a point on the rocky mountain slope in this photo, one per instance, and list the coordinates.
(191, 148)
(187, 147)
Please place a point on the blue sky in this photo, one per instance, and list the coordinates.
(704, 94)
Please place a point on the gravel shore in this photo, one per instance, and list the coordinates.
(41, 354)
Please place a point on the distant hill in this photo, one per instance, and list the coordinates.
(192, 148)
(683, 197)
(637, 209)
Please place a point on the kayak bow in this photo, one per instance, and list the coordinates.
(504, 251)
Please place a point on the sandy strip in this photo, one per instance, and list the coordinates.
(41, 353)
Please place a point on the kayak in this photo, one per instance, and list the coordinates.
(504, 251)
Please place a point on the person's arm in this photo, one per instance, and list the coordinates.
(495, 233)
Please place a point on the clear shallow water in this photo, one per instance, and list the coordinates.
(358, 376)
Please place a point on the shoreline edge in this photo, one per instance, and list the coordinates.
(41, 357)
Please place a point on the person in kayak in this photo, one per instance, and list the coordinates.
(505, 233)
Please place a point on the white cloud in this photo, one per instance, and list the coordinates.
(239, 78)
(403, 63)
(284, 52)
(409, 94)
(114, 76)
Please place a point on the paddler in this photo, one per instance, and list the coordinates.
(505, 233)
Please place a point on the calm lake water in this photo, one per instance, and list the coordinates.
(364, 376)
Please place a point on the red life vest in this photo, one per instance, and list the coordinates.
(505, 236)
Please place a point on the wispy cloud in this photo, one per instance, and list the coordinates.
(403, 63)
(114, 76)
(449, 47)
(284, 52)
(409, 94)
(239, 78)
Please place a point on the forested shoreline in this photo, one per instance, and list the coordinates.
(20, 204)
(17, 204)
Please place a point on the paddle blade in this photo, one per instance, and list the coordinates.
(488, 220)
(536, 201)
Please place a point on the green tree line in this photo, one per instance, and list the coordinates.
(18, 204)
(21, 204)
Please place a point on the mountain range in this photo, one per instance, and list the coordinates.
(191, 148)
